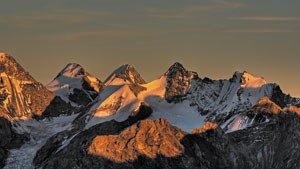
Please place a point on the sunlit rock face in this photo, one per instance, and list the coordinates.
(147, 138)
(21, 95)
(250, 81)
(294, 109)
(56, 146)
(207, 126)
(137, 143)
(265, 105)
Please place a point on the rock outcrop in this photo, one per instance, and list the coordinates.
(178, 82)
(9, 139)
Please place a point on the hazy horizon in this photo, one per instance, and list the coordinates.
(212, 37)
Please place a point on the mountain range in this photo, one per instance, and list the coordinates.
(180, 120)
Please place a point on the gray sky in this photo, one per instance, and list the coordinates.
(213, 37)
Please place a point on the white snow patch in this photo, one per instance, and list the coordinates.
(181, 115)
(115, 102)
(155, 88)
(118, 101)
(40, 132)
(62, 86)
(239, 122)
(111, 107)
(70, 78)
(222, 97)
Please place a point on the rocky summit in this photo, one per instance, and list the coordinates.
(21, 95)
(179, 121)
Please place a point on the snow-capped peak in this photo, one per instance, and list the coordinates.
(125, 73)
(248, 80)
(72, 70)
(73, 80)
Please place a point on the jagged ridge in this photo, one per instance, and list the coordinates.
(185, 101)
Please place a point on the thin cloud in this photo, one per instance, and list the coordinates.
(52, 17)
(268, 18)
(192, 10)
(263, 31)
(97, 34)
(119, 33)
(106, 34)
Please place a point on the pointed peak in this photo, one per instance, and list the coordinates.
(123, 69)
(179, 82)
(4, 57)
(175, 68)
(75, 86)
(73, 65)
(178, 68)
(128, 73)
(73, 70)
(237, 76)
(11, 67)
(248, 80)
(177, 64)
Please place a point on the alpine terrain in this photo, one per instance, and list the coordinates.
(180, 120)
